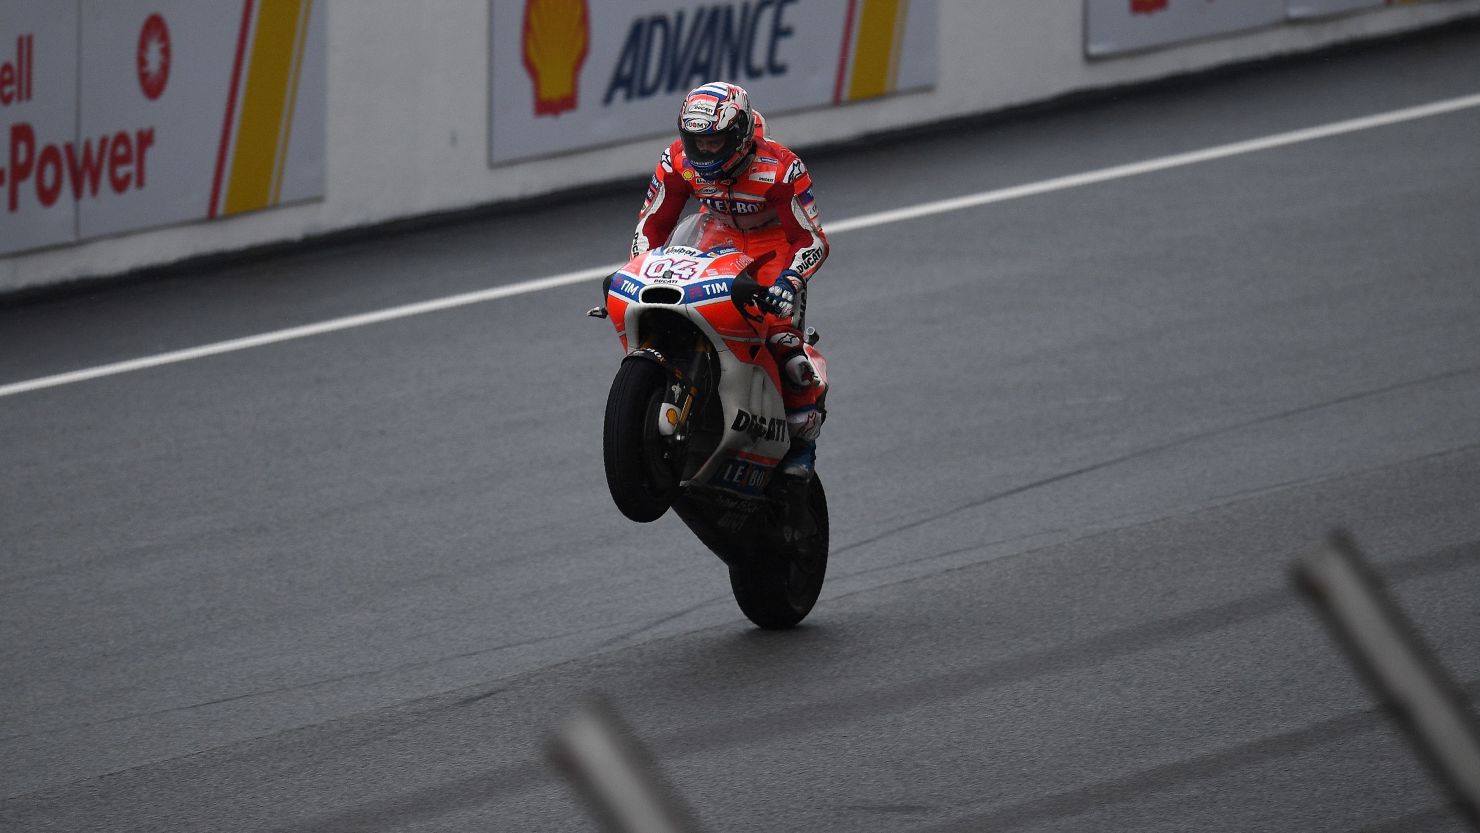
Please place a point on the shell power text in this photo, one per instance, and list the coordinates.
(50, 168)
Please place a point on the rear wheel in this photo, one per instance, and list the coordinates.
(642, 471)
(778, 587)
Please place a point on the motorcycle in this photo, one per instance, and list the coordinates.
(694, 420)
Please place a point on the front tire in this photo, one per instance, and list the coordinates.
(778, 587)
(641, 471)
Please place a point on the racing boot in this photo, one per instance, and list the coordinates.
(801, 461)
(804, 424)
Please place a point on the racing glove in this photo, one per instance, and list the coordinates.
(781, 298)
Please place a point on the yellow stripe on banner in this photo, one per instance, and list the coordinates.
(265, 98)
(901, 18)
(871, 58)
(285, 130)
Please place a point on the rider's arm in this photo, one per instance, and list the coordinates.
(797, 210)
(667, 193)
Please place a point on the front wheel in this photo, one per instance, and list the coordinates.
(641, 469)
(777, 588)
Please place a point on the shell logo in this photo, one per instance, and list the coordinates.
(154, 57)
(557, 34)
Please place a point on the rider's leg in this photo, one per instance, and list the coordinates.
(802, 389)
(802, 394)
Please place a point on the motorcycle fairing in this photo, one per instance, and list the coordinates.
(755, 436)
(752, 444)
(709, 283)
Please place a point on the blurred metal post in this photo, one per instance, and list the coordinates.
(614, 772)
(1405, 673)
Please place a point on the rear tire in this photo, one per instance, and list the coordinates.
(640, 471)
(778, 587)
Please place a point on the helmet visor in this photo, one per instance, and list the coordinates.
(709, 149)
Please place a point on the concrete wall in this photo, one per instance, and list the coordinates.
(407, 114)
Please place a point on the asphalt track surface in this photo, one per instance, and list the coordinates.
(352, 582)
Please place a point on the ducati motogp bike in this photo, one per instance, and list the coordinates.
(694, 421)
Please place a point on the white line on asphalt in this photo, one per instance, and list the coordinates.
(306, 330)
(1149, 166)
(880, 218)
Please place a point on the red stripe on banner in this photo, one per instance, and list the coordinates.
(236, 75)
(843, 56)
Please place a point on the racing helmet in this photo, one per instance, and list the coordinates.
(717, 110)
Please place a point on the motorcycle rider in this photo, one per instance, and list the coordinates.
(761, 194)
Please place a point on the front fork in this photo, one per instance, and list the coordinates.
(682, 395)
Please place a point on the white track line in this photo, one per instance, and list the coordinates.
(332, 325)
(898, 215)
(1179, 160)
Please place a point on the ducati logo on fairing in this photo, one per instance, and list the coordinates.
(773, 428)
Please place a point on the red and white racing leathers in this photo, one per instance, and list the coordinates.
(766, 208)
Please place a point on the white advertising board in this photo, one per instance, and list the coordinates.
(150, 112)
(568, 75)
(214, 106)
(1116, 26)
(38, 117)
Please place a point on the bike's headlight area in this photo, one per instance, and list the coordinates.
(661, 295)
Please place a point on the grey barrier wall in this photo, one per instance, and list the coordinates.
(379, 110)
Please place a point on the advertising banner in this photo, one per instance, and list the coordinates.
(1116, 26)
(38, 115)
(159, 112)
(568, 75)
